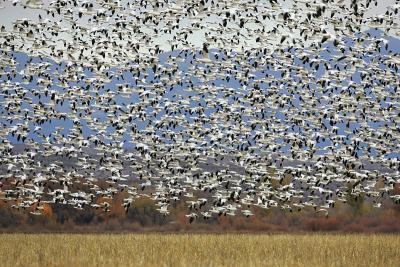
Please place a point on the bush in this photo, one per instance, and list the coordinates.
(8, 218)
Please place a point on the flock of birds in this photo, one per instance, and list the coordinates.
(226, 105)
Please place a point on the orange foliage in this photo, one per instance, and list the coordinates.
(47, 210)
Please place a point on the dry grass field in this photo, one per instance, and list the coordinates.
(198, 250)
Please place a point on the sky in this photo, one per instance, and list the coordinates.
(10, 13)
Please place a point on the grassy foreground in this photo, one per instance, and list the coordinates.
(198, 250)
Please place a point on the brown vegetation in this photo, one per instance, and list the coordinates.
(143, 216)
(198, 250)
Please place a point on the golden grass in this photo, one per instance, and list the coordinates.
(198, 250)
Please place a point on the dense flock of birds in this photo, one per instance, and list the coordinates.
(227, 106)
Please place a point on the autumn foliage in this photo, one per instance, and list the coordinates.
(143, 216)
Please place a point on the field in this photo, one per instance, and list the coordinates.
(198, 250)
